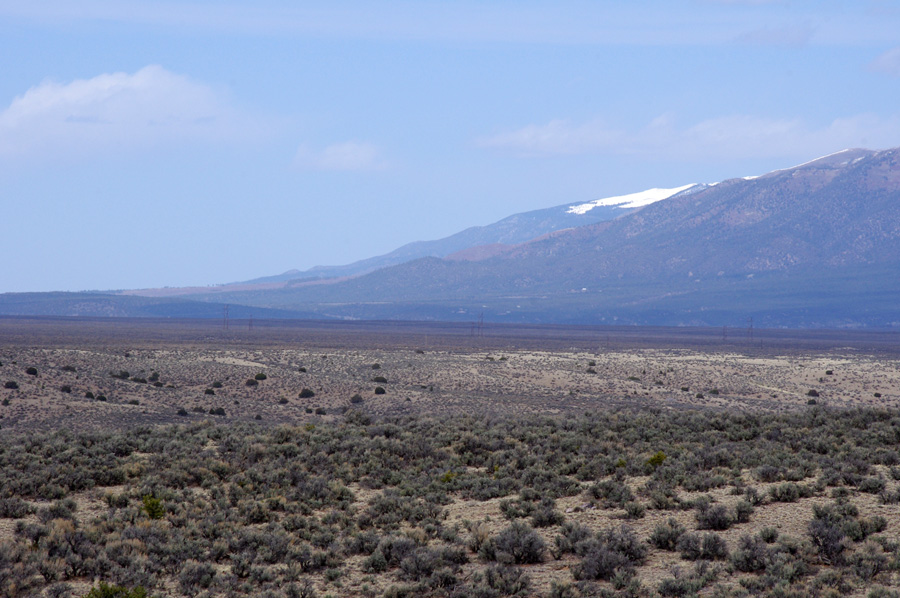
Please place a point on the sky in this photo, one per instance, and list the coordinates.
(191, 143)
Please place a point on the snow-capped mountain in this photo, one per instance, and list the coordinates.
(817, 244)
(813, 245)
(511, 230)
(636, 200)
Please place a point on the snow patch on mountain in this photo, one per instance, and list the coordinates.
(632, 200)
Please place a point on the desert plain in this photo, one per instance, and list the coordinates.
(584, 446)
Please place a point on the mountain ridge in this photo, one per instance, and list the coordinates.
(813, 245)
(831, 219)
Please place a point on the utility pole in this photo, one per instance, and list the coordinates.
(250, 323)
(750, 329)
(226, 318)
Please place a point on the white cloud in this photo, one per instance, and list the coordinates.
(355, 156)
(889, 62)
(114, 111)
(556, 137)
(722, 138)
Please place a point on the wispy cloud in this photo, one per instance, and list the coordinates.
(348, 156)
(794, 36)
(557, 137)
(721, 138)
(889, 62)
(115, 111)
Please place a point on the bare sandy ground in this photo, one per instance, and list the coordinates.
(195, 374)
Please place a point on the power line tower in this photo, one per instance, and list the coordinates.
(750, 328)
(225, 322)
(250, 323)
(481, 324)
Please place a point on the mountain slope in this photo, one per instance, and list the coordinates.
(817, 244)
(511, 230)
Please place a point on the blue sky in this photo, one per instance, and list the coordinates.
(147, 144)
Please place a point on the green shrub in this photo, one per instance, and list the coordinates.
(14, 508)
(507, 581)
(634, 510)
(104, 590)
(379, 390)
(665, 536)
(518, 544)
(306, 393)
(153, 507)
(871, 485)
(612, 493)
(715, 517)
(768, 534)
(260, 376)
(752, 554)
(709, 546)
(657, 459)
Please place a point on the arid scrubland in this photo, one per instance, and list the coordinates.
(430, 467)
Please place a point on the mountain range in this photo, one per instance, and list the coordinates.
(814, 245)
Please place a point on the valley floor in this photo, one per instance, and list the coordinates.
(380, 459)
